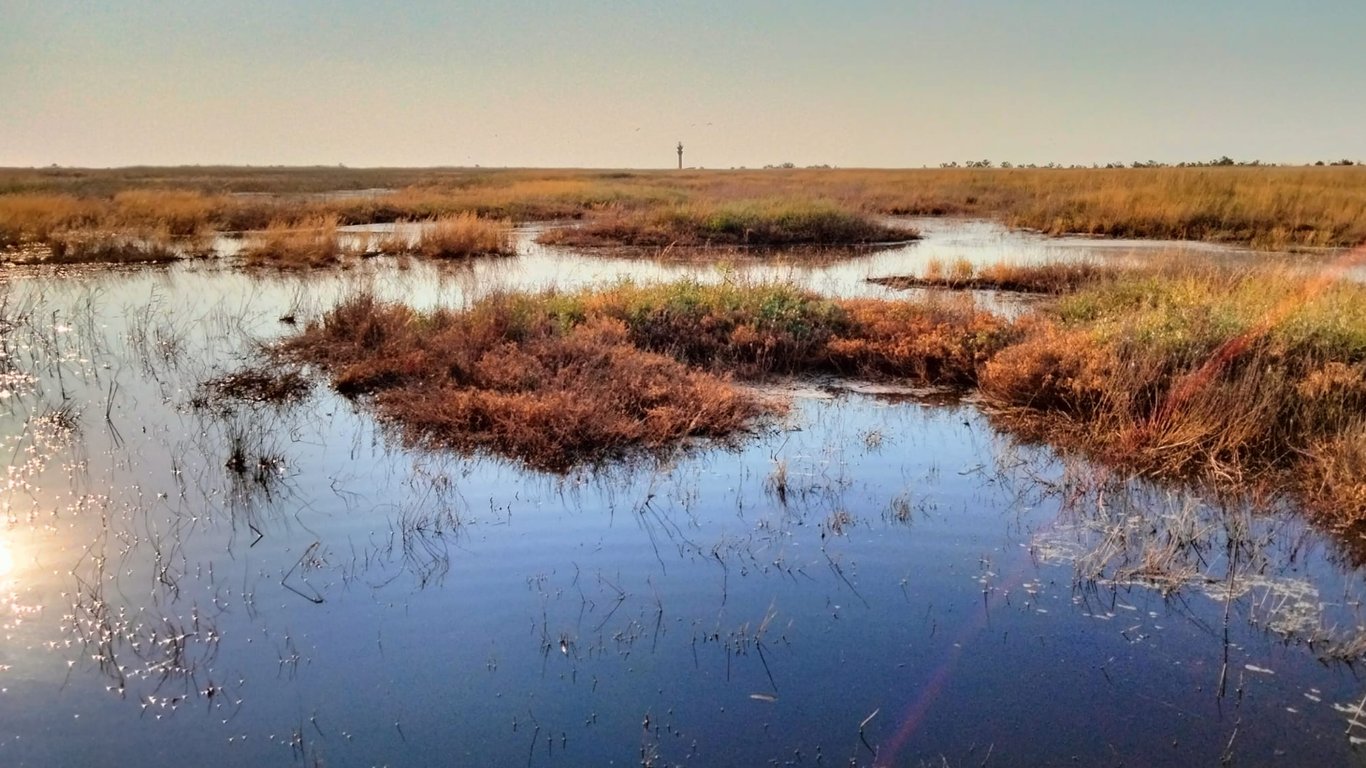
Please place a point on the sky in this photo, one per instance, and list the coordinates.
(616, 84)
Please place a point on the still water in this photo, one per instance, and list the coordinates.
(879, 578)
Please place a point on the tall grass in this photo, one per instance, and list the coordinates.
(1267, 207)
(769, 222)
(178, 212)
(1247, 379)
(559, 379)
(465, 235)
(310, 243)
(37, 217)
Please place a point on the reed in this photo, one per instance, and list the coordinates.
(310, 243)
(557, 379)
(465, 235)
(767, 222)
(1248, 379)
(1266, 207)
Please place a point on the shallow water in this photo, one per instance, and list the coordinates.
(881, 578)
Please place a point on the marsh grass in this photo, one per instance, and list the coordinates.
(1247, 378)
(764, 223)
(465, 235)
(562, 379)
(1265, 207)
(306, 244)
(1055, 277)
(104, 247)
(34, 218)
(181, 213)
(548, 394)
(253, 385)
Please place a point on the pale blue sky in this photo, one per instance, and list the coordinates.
(616, 84)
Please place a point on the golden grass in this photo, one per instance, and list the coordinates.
(310, 243)
(1243, 378)
(178, 212)
(768, 222)
(556, 380)
(1054, 277)
(1247, 379)
(465, 235)
(36, 217)
(1266, 207)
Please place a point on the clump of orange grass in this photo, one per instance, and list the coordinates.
(1249, 379)
(765, 223)
(560, 379)
(1054, 277)
(548, 395)
(465, 235)
(307, 243)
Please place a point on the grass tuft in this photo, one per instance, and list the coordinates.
(465, 235)
(310, 243)
(558, 379)
(1056, 277)
(766, 223)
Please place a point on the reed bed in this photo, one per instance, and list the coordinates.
(557, 380)
(465, 235)
(1252, 380)
(1266, 207)
(1055, 277)
(308, 244)
(768, 223)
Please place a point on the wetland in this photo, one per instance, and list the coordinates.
(977, 497)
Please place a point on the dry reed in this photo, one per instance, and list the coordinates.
(465, 235)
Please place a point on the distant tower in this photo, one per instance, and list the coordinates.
(680, 155)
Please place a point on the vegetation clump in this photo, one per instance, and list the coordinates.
(1245, 378)
(1248, 379)
(1054, 277)
(254, 385)
(769, 223)
(305, 244)
(560, 379)
(465, 235)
